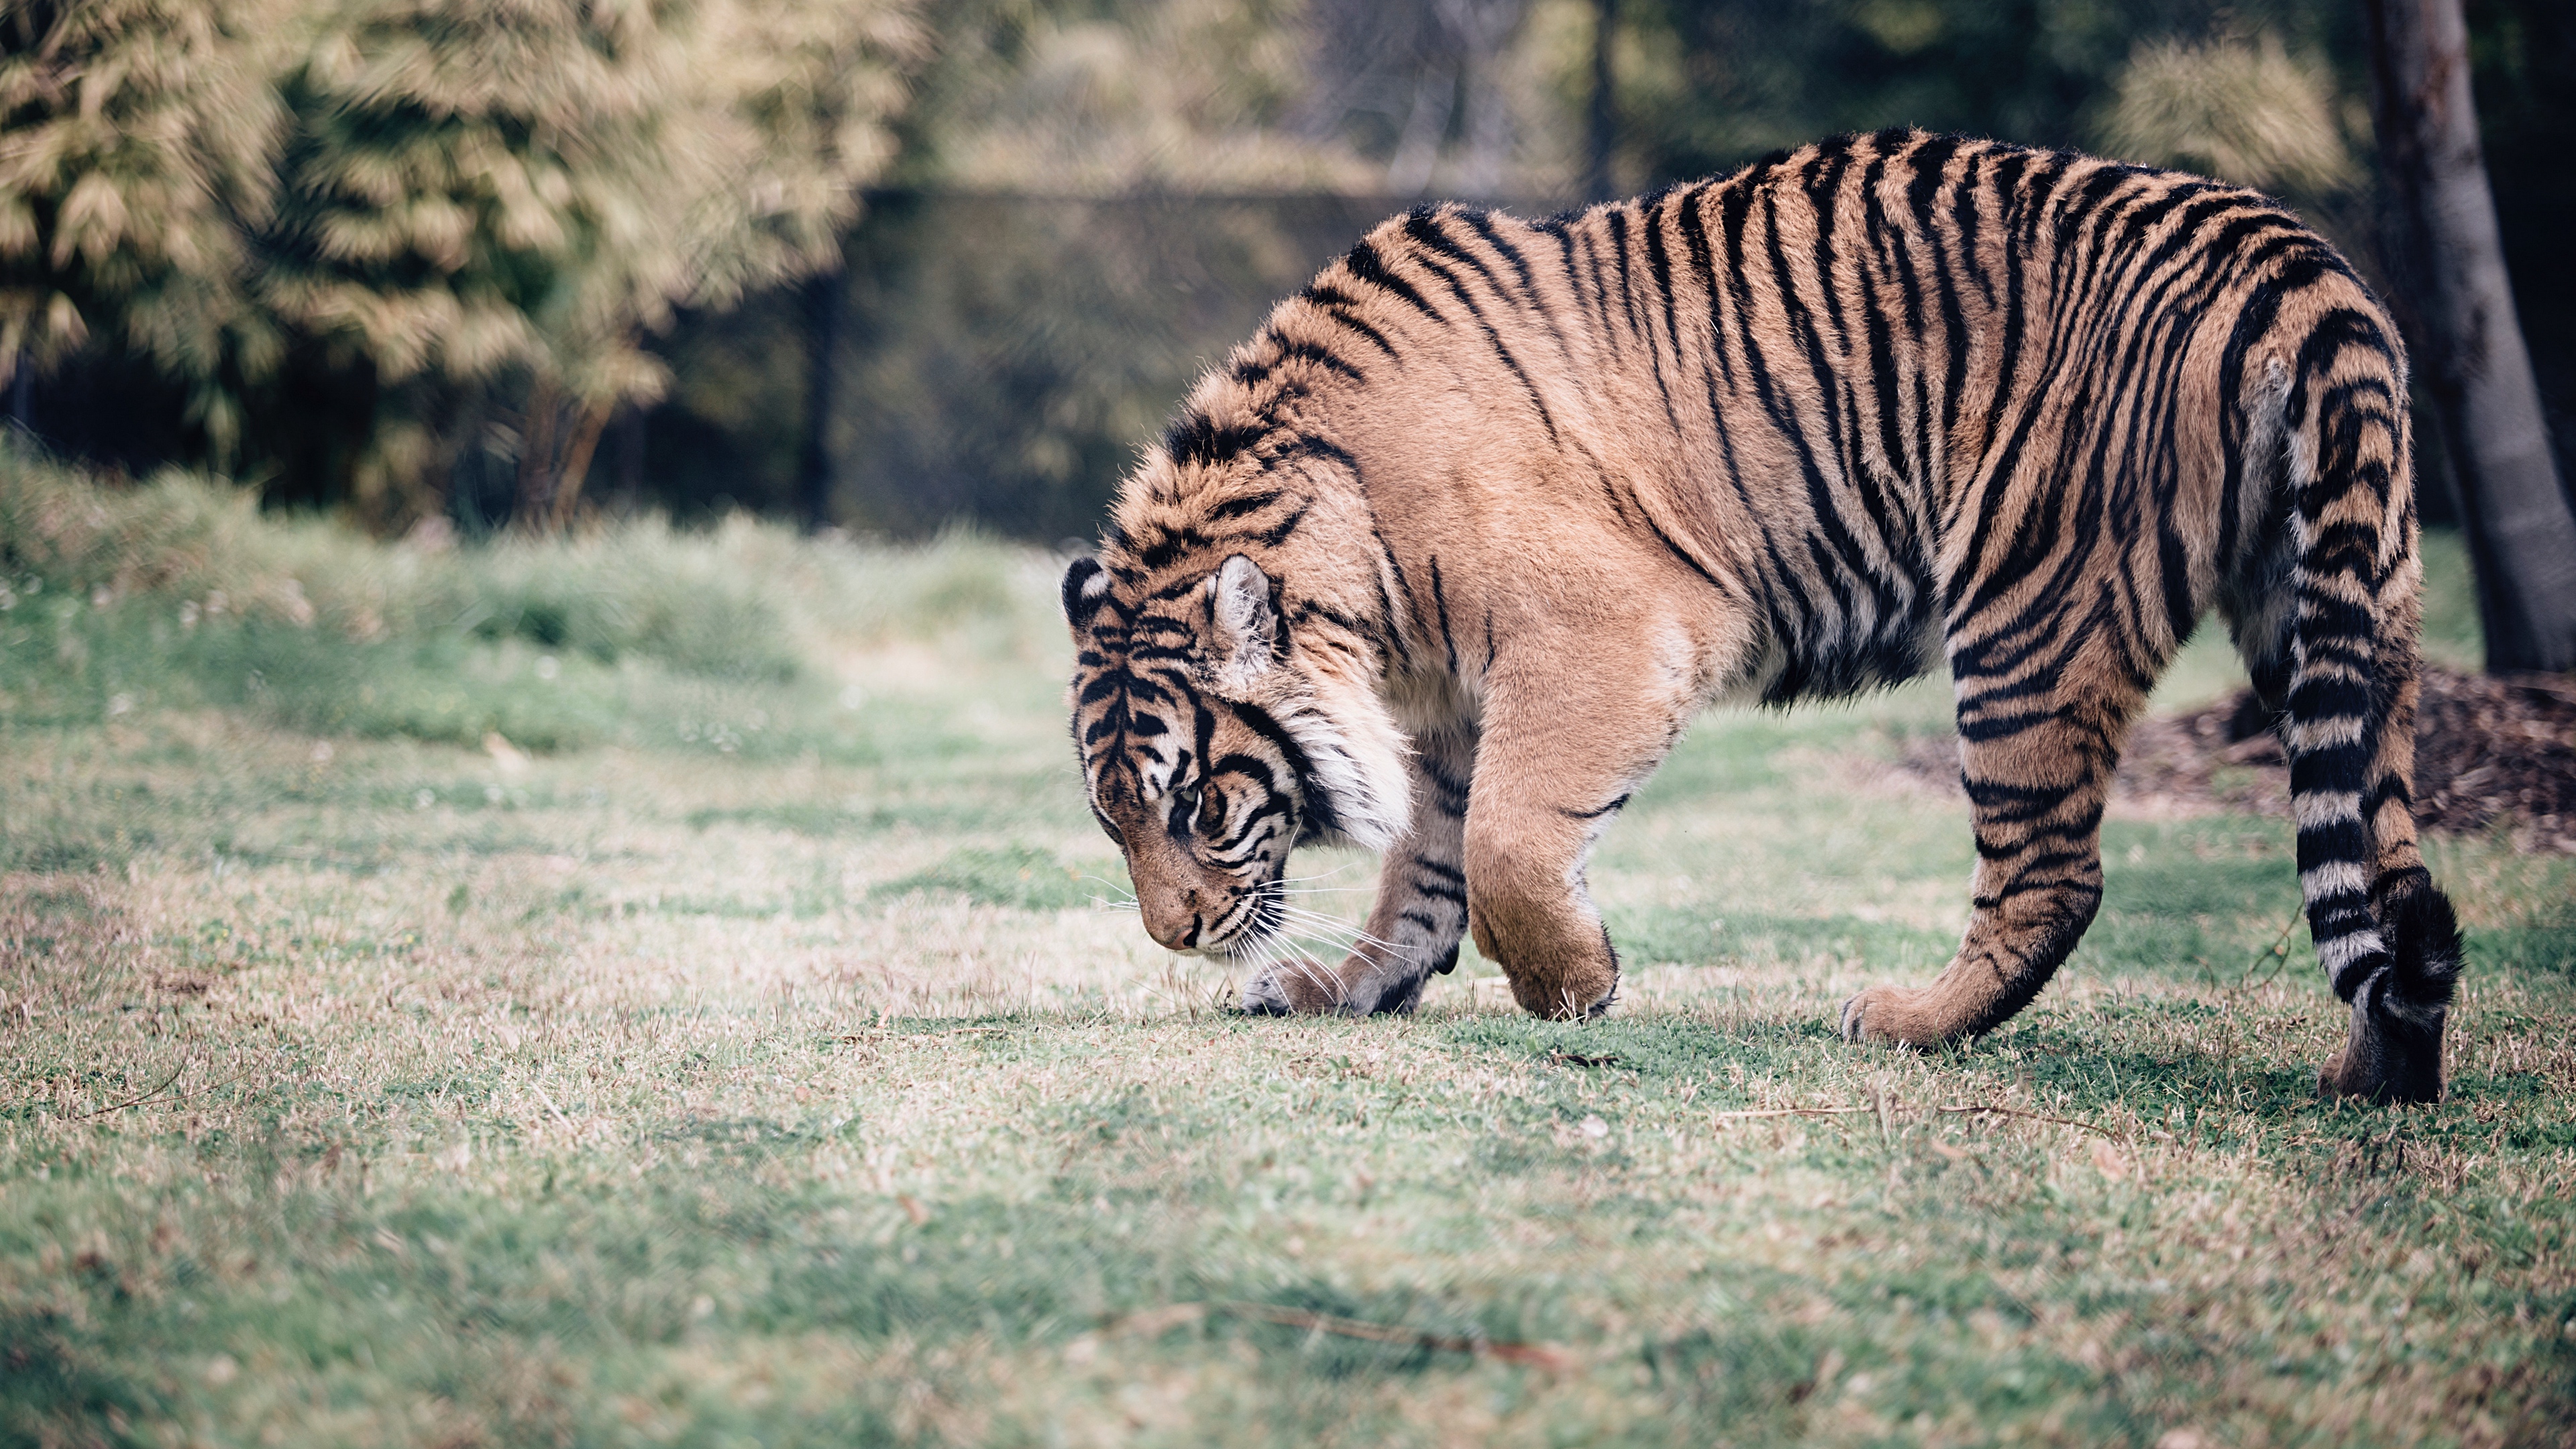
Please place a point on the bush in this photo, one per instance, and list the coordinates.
(180, 590)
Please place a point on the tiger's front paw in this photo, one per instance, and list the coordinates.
(1295, 987)
(1358, 988)
(1373, 990)
(1262, 997)
(1894, 1014)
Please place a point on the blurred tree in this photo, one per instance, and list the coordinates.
(491, 203)
(137, 141)
(1082, 98)
(1601, 105)
(455, 221)
(2523, 54)
(1436, 64)
(1707, 84)
(416, 251)
(2468, 339)
(1347, 97)
(2239, 108)
(1000, 358)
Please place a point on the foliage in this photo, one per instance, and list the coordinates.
(1462, 97)
(1021, 351)
(1173, 94)
(1707, 85)
(1340, 97)
(138, 141)
(460, 219)
(179, 592)
(999, 353)
(2243, 111)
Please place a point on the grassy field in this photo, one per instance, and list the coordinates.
(651, 991)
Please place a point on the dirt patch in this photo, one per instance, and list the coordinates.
(2487, 750)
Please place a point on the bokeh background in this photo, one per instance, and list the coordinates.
(891, 265)
(545, 897)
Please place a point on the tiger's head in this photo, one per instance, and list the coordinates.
(1211, 745)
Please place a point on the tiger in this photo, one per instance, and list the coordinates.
(1442, 562)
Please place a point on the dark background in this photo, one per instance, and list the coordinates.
(997, 357)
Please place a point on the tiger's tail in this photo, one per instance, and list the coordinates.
(2387, 937)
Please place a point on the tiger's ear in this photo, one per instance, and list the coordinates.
(1086, 588)
(1243, 612)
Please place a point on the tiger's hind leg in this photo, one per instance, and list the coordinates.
(2393, 1048)
(1420, 914)
(2037, 768)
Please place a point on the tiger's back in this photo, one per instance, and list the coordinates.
(1521, 497)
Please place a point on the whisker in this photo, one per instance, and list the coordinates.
(1319, 875)
(1320, 975)
(1375, 953)
(1333, 923)
(1301, 927)
(1321, 921)
(1335, 930)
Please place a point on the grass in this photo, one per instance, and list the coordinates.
(646, 1077)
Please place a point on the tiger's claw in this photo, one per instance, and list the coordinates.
(1262, 997)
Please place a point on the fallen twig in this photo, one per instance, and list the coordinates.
(1789, 1112)
(1893, 1107)
(1161, 1320)
(886, 1033)
(1578, 1059)
(134, 1101)
(542, 1096)
(155, 1094)
(2273, 956)
(2037, 1117)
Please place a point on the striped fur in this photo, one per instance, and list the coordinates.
(1447, 556)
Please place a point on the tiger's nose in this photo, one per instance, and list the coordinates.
(1176, 926)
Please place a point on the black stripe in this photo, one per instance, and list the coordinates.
(1529, 387)
(1595, 813)
(1366, 265)
(1440, 602)
(1237, 507)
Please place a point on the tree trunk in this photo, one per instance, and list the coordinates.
(822, 382)
(1417, 149)
(2449, 266)
(1601, 132)
(588, 424)
(539, 425)
(557, 436)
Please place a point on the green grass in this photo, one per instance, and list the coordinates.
(655, 1079)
